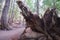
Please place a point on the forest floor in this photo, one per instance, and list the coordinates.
(13, 34)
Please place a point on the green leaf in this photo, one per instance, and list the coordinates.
(58, 5)
(30, 4)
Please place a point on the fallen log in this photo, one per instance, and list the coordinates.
(33, 21)
(45, 25)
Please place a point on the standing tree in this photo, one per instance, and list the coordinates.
(37, 7)
(12, 6)
(4, 18)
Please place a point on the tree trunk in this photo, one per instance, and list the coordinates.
(43, 25)
(37, 7)
(35, 25)
(4, 18)
(12, 15)
(12, 12)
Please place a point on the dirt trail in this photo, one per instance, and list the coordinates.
(12, 34)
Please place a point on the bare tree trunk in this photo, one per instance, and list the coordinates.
(34, 22)
(1, 1)
(12, 15)
(4, 18)
(37, 7)
(12, 12)
(54, 4)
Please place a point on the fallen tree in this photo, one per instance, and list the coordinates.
(46, 25)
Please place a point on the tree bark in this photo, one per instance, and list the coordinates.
(4, 17)
(43, 25)
(37, 6)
